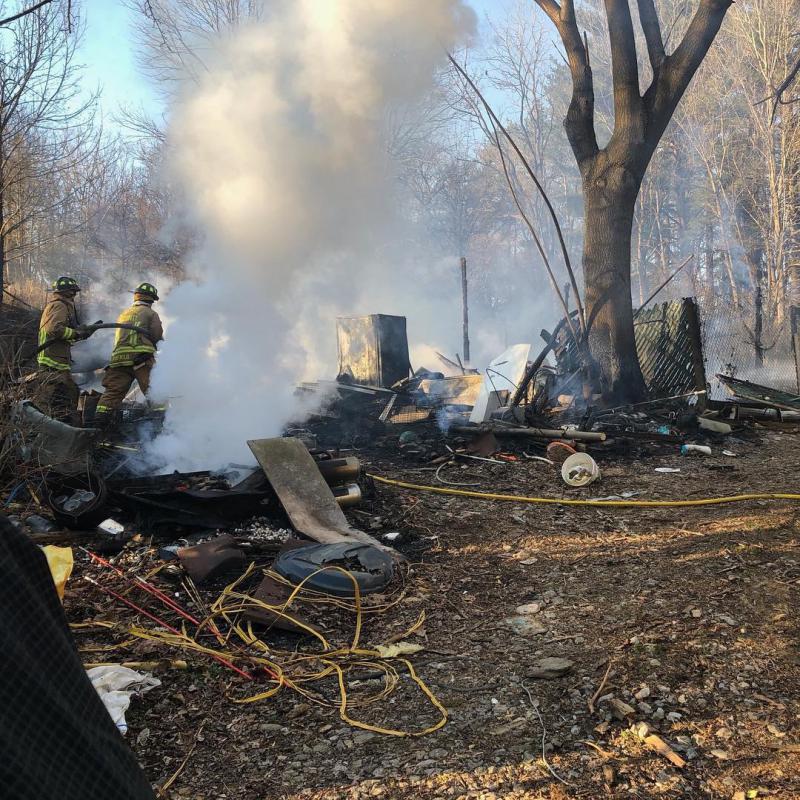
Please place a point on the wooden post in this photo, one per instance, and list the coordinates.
(465, 308)
(794, 312)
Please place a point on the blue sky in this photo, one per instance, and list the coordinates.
(109, 55)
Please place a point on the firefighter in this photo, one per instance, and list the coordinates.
(133, 356)
(59, 330)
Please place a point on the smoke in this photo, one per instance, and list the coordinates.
(280, 158)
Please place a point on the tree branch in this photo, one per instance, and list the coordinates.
(679, 68)
(562, 299)
(624, 64)
(24, 12)
(648, 16)
(579, 122)
(777, 95)
(552, 9)
(495, 121)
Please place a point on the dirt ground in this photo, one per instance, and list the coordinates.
(681, 618)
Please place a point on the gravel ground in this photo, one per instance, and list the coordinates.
(674, 623)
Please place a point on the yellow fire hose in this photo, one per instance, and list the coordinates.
(555, 501)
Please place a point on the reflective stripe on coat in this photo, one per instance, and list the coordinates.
(57, 325)
(131, 346)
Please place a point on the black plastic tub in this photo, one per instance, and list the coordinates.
(72, 509)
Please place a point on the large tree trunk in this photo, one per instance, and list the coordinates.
(608, 215)
(612, 175)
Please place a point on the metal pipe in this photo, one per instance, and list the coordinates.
(531, 433)
(465, 309)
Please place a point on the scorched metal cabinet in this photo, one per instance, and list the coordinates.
(373, 350)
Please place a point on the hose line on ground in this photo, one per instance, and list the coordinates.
(555, 501)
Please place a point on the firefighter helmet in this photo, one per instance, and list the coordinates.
(65, 284)
(147, 289)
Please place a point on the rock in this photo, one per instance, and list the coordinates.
(722, 755)
(728, 620)
(363, 737)
(697, 613)
(511, 727)
(642, 693)
(552, 667)
(298, 710)
(271, 727)
(529, 608)
(525, 626)
(658, 714)
(674, 716)
(621, 709)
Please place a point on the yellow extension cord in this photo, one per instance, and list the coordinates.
(287, 666)
(513, 498)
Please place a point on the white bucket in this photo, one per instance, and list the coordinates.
(580, 470)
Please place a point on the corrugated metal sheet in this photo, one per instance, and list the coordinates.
(669, 345)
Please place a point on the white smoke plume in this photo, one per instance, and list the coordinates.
(279, 156)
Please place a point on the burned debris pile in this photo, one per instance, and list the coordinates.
(274, 571)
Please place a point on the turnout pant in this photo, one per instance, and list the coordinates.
(117, 383)
(58, 394)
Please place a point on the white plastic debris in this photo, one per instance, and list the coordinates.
(115, 685)
(580, 469)
(698, 449)
(110, 527)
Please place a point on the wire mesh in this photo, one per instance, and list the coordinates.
(728, 348)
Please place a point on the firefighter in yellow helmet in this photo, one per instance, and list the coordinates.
(58, 331)
(133, 356)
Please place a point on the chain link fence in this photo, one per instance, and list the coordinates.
(728, 348)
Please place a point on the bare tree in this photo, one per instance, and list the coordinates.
(46, 130)
(174, 34)
(25, 11)
(612, 175)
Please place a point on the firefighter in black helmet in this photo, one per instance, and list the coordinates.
(133, 357)
(58, 331)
